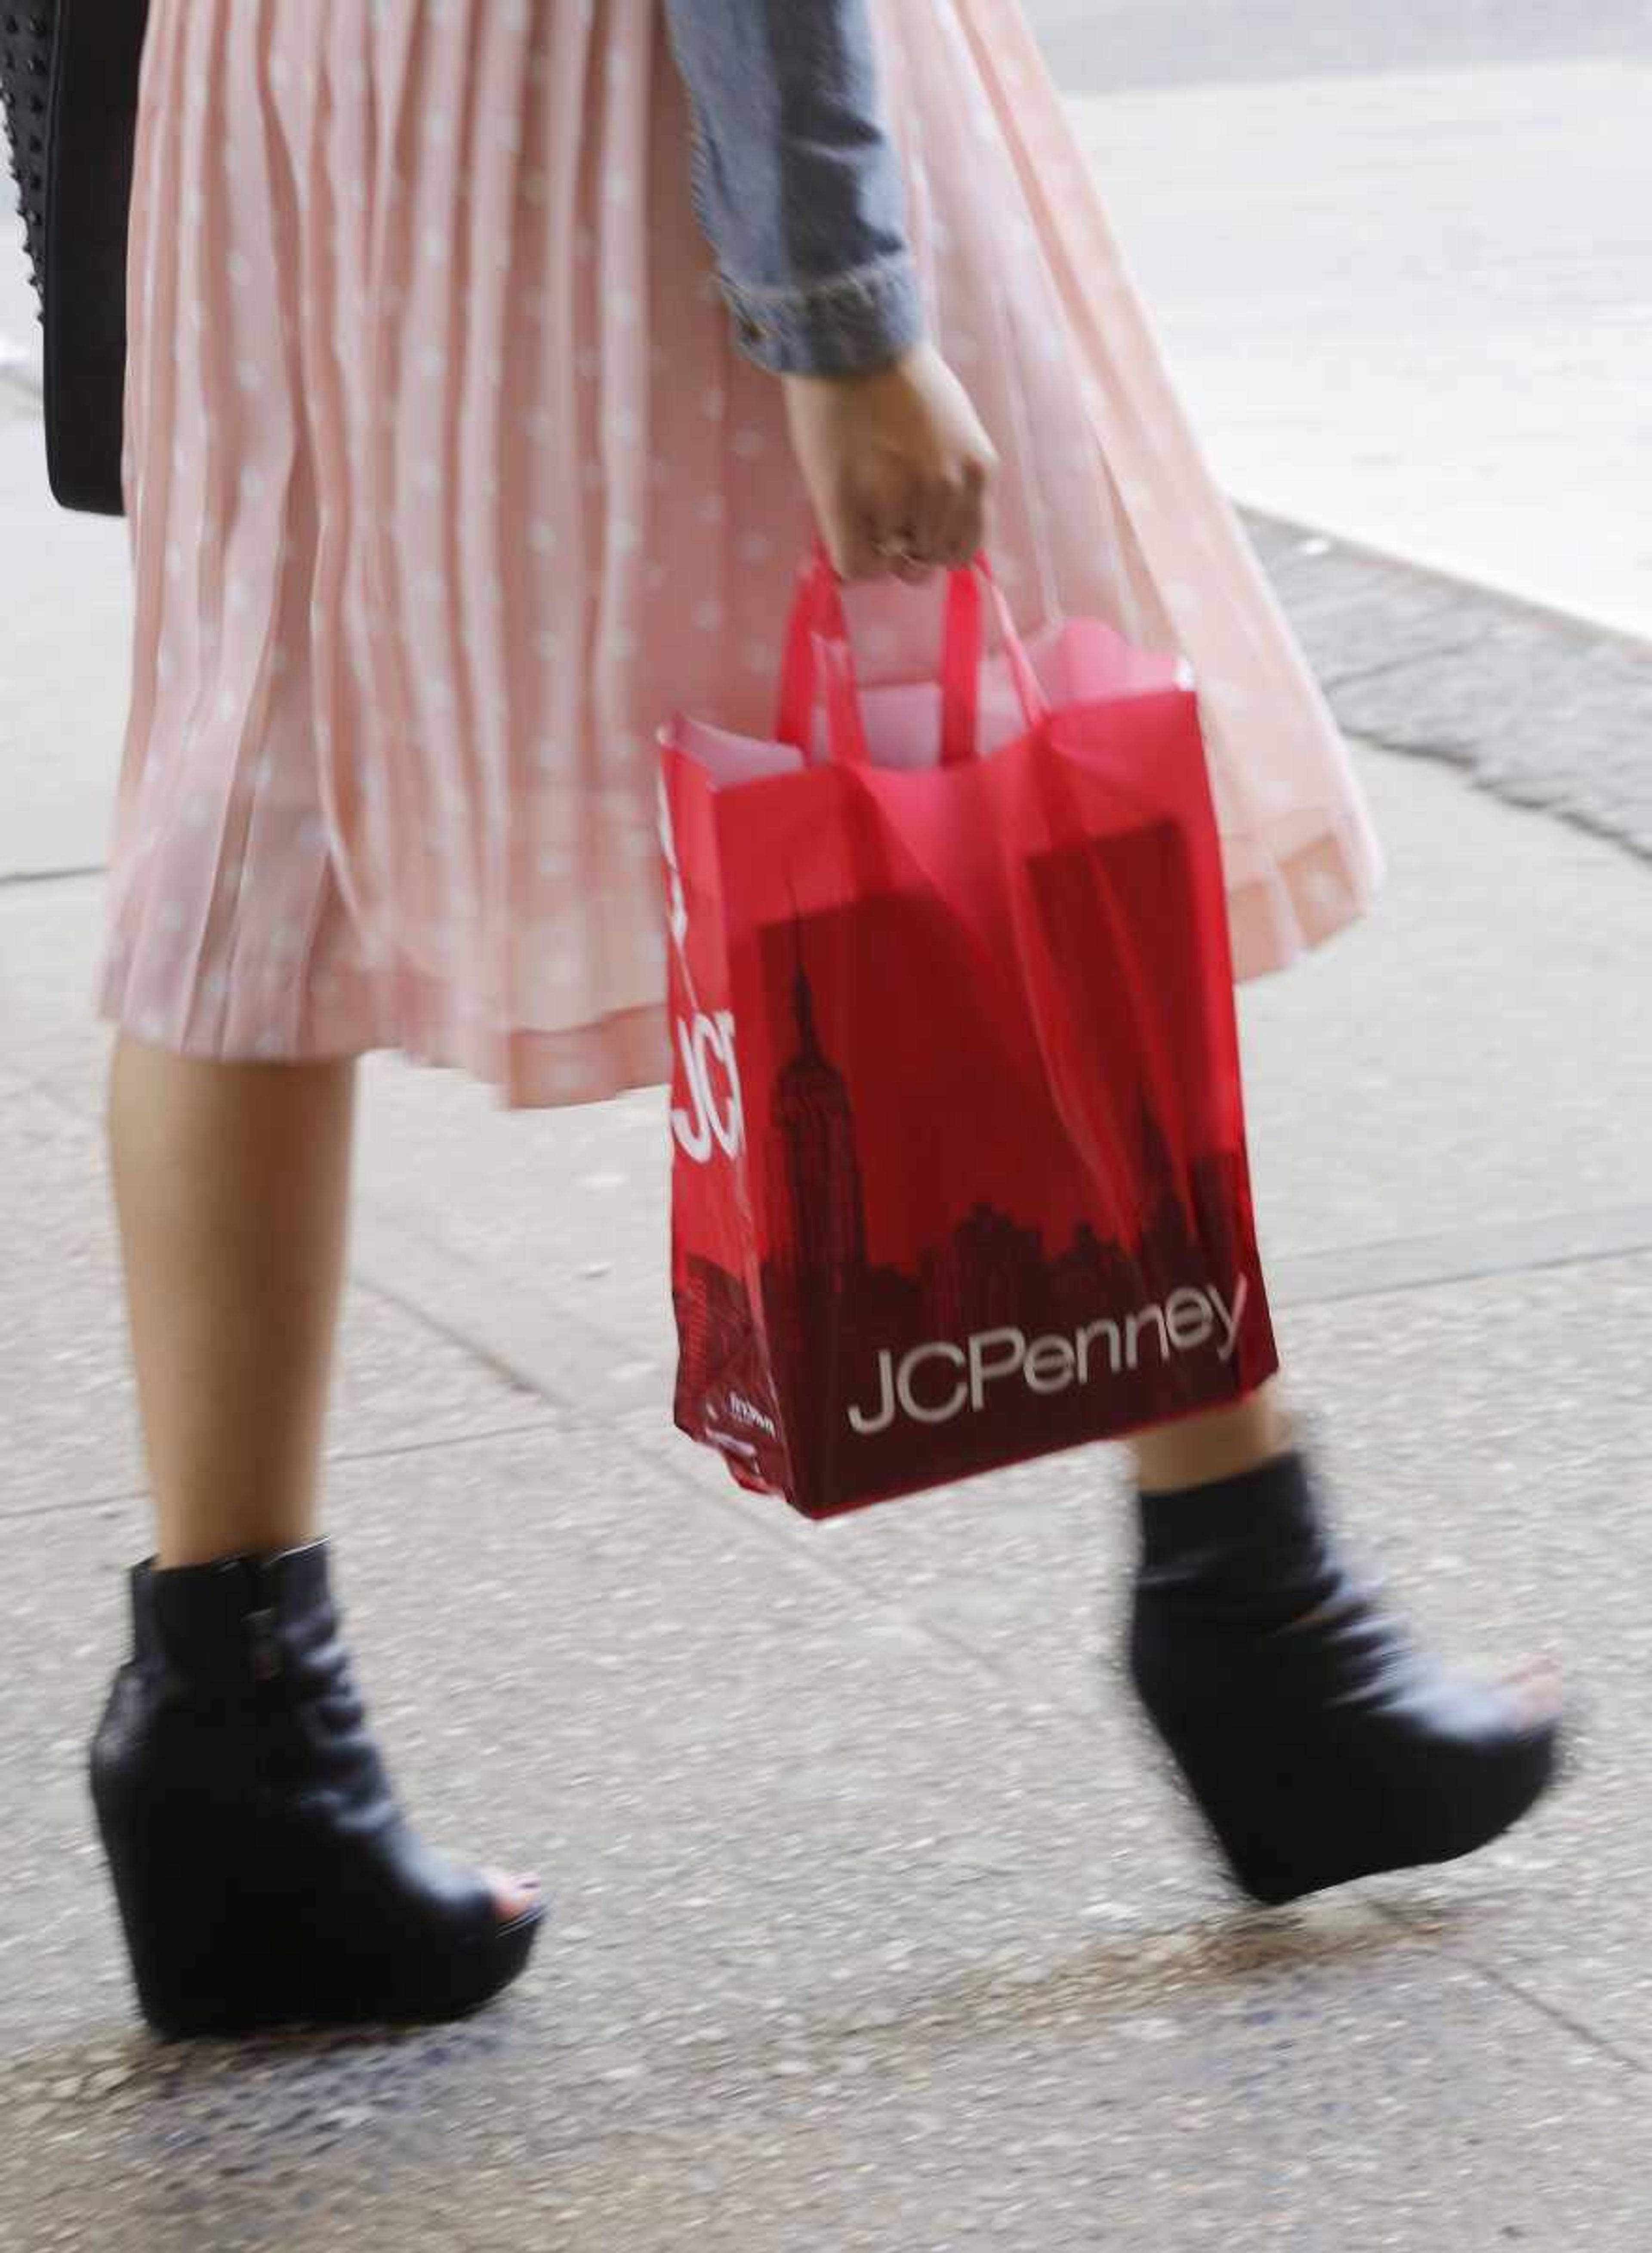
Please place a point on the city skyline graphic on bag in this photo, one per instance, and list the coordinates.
(959, 1161)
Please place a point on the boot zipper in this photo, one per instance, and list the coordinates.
(263, 1644)
(261, 1629)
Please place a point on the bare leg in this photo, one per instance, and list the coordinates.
(232, 1186)
(1224, 1444)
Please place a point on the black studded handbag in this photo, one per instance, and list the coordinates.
(68, 88)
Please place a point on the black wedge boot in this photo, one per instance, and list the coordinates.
(1320, 1744)
(265, 1874)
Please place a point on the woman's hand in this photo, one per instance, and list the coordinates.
(897, 465)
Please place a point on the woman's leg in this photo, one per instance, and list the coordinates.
(1227, 1443)
(1223, 1444)
(1320, 1742)
(232, 1186)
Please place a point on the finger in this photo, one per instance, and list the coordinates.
(969, 525)
(932, 520)
(863, 563)
(900, 554)
(898, 548)
(962, 540)
(900, 536)
(952, 550)
(916, 568)
(852, 544)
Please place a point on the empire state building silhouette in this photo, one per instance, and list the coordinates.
(818, 1205)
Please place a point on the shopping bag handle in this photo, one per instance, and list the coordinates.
(818, 644)
(961, 661)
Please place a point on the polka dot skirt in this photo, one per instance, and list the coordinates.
(446, 486)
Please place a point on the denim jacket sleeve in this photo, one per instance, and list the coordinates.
(797, 183)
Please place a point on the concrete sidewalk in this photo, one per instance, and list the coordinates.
(878, 1924)
(1408, 308)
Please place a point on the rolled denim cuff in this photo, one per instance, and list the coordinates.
(845, 325)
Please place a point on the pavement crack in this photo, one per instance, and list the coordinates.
(1475, 1254)
(1386, 667)
(1580, 2028)
(11, 878)
(1447, 750)
(504, 1371)
(138, 1497)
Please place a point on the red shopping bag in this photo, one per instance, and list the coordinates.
(960, 1173)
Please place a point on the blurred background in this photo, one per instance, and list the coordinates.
(1402, 256)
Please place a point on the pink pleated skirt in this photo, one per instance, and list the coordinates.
(447, 486)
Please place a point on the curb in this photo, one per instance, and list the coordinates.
(1539, 706)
